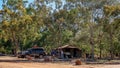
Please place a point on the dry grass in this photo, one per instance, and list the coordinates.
(51, 65)
(47, 65)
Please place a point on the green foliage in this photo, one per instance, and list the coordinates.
(91, 25)
(2, 50)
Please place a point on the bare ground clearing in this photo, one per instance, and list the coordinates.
(48, 65)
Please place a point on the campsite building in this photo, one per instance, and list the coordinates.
(69, 51)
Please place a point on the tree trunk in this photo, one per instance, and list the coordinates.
(92, 51)
(15, 43)
(16, 47)
(119, 55)
(111, 46)
(100, 53)
(92, 42)
(100, 49)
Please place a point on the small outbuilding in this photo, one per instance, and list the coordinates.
(69, 51)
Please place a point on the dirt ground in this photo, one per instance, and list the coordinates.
(51, 65)
(48, 65)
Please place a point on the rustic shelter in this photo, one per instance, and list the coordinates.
(70, 51)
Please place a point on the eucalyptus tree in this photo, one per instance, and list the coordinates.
(17, 24)
(89, 13)
(39, 11)
(112, 17)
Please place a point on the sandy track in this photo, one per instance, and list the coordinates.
(47, 65)
(51, 65)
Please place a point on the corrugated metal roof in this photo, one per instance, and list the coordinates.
(67, 46)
